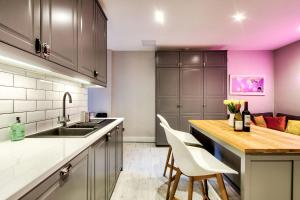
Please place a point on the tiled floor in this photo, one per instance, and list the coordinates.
(142, 177)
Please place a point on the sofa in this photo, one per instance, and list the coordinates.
(291, 124)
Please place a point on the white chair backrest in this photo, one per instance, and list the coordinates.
(182, 155)
(163, 120)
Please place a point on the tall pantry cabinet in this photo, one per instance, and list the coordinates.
(189, 85)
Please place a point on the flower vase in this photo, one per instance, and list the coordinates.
(231, 119)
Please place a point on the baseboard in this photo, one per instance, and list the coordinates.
(139, 139)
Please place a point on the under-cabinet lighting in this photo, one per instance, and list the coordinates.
(95, 86)
(45, 81)
(21, 64)
(82, 81)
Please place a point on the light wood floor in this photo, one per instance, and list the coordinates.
(142, 177)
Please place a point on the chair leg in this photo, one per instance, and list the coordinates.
(167, 161)
(170, 177)
(191, 188)
(175, 185)
(203, 190)
(221, 184)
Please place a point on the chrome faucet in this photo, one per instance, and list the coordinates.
(64, 118)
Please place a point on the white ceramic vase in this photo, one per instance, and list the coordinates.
(231, 119)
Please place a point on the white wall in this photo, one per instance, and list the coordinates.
(133, 93)
(254, 63)
(100, 98)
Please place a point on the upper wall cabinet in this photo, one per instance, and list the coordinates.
(59, 31)
(86, 39)
(167, 59)
(101, 45)
(20, 23)
(215, 58)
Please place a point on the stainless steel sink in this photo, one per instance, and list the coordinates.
(81, 129)
(64, 132)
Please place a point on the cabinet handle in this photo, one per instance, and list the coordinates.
(96, 73)
(65, 172)
(117, 127)
(46, 49)
(37, 45)
(179, 106)
(109, 135)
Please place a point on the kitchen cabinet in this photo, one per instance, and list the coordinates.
(189, 85)
(119, 148)
(100, 163)
(59, 31)
(100, 71)
(70, 182)
(86, 39)
(91, 175)
(111, 162)
(20, 23)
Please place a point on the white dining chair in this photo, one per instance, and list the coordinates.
(196, 163)
(187, 138)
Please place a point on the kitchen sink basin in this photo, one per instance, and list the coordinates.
(81, 129)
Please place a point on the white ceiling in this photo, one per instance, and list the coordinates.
(203, 24)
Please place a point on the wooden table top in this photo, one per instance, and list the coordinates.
(259, 140)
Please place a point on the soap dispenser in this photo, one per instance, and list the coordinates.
(17, 130)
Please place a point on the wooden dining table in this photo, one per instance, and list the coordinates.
(268, 161)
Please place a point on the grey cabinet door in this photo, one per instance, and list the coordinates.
(167, 100)
(215, 58)
(111, 162)
(101, 45)
(86, 39)
(215, 91)
(191, 59)
(167, 59)
(191, 96)
(59, 30)
(119, 149)
(20, 23)
(74, 186)
(100, 170)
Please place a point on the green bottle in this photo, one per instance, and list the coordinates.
(17, 130)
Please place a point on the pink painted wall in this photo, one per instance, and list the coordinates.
(254, 63)
(287, 76)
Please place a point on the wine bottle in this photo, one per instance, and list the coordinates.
(238, 121)
(246, 118)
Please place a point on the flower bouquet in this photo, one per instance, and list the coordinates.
(234, 107)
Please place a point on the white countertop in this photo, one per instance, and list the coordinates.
(25, 164)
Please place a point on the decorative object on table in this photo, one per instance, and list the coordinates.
(17, 130)
(247, 85)
(246, 118)
(238, 119)
(232, 106)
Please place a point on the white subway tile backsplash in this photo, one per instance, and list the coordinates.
(35, 116)
(6, 79)
(37, 102)
(22, 106)
(24, 82)
(44, 125)
(58, 87)
(6, 106)
(44, 105)
(50, 114)
(12, 93)
(30, 128)
(51, 95)
(8, 119)
(44, 85)
(36, 94)
(57, 104)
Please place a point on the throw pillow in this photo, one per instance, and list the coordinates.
(260, 121)
(293, 127)
(276, 123)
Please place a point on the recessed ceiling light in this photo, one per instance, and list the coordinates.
(159, 16)
(299, 28)
(239, 17)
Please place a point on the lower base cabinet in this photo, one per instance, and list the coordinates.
(92, 175)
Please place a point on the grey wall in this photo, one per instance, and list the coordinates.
(287, 79)
(133, 93)
(100, 98)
